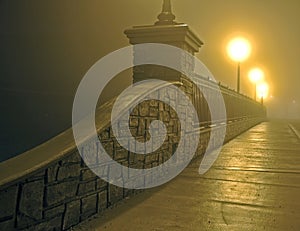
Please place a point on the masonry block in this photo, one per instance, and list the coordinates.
(87, 174)
(60, 192)
(87, 187)
(108, 147)
(52, 173)
(101, 184)
(37, 176)
(104, 135)
(68, 171)
(121, 154)
(133, 122)
(73, 158)
(72, 215)
(52, 224)
(90, 152)
(102, 200)
(115, 194)
(88, 206)
(24, 221)
(31, 202)
(7, 225)
(144, 109)
(54, 212)
(8, 198)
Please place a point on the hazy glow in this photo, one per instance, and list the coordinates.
(263, 90)
(256, 75)
(239, 49)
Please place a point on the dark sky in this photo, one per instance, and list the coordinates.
(47, 47)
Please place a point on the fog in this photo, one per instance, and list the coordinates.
(48, 46)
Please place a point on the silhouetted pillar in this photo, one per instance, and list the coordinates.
(166, 31)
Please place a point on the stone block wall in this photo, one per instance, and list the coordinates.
(66, 192)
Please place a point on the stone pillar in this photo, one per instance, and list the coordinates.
(166, 31)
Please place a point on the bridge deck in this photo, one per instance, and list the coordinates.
(254, 185)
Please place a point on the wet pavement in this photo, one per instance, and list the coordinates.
(254, 185)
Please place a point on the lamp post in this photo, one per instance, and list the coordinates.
(263, 90)
(256, 75)
(239, 50)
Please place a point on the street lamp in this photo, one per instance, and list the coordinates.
(256, 75)
(263, 90)
(239, 50)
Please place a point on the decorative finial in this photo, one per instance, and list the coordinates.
(166, 17)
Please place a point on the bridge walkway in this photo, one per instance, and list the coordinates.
(254, 185)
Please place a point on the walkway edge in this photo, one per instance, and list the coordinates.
(295, 131)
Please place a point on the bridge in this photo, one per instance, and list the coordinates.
(60, 184)
(254, 185)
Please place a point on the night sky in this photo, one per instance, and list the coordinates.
(46, 47)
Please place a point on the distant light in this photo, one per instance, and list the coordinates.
(239, 49)
(294, 101)
(263, 90)
(256, 75)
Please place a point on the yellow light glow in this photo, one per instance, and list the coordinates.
(263, 90)
(239, 49)
(256, 75)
